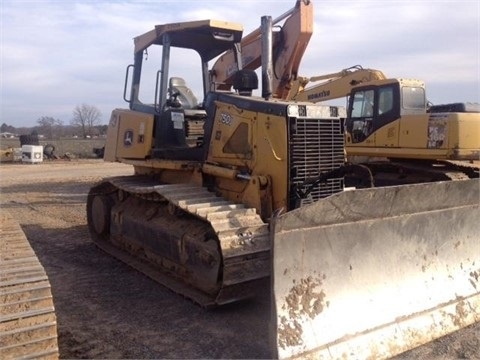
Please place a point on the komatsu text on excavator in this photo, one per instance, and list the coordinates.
(236, 189)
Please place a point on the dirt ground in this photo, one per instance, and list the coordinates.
(107, 310)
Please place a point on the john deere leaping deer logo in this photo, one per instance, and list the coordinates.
(128, 138)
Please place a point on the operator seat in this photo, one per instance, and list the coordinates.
(184, 95)
(245, 81)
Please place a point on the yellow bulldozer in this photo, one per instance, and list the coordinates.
(236, 189)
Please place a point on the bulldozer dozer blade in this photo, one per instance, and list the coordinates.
(372, 273)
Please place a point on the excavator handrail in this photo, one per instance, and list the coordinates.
(341, 73)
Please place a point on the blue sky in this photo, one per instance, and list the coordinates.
(57, 54)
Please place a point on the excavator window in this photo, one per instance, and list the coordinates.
(362, 114)
(363, 104)
(413, 98)
(385, 100)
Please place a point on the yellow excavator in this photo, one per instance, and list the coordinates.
(236, 189)
(392, 119)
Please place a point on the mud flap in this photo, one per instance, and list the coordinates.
(374, 272)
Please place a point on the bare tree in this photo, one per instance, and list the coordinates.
(86, 117)
(49, 126)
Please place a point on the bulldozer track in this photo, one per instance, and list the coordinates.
(28, 326)
(242, 239)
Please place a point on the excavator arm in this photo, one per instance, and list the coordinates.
(333, 85)
(289, 44)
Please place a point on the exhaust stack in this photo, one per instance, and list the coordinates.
(267, 57)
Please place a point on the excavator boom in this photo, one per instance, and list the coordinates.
(334, 85)
(289, 44)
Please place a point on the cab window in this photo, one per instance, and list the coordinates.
(413, 98)
(363, 104)
(385, 100)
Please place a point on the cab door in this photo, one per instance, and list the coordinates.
(373, 117)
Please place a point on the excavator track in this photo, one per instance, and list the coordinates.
(199, 245)
(407, 171)
(470, 168)
(28, 326)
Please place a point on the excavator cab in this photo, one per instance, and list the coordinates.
(379, 103)
(391, 118)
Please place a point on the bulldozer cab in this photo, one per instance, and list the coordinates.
(207, 38)
(167, 85)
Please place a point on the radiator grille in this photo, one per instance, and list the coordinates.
(315, 146)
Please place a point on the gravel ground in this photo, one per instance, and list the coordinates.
(107, 310)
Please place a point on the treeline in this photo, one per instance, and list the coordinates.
(54, 133)
(85, 123)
